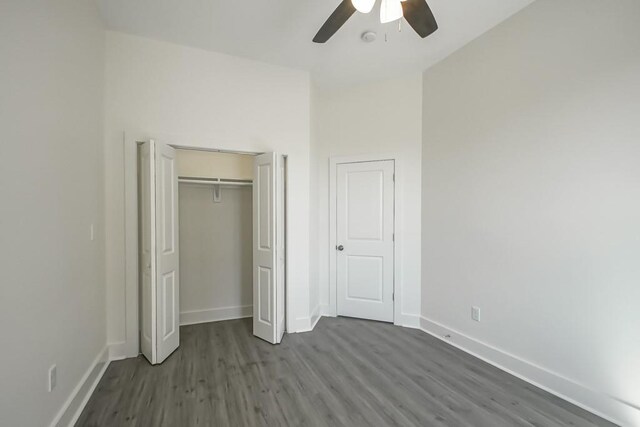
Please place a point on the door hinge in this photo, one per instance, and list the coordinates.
(393, 237)
(393, 296)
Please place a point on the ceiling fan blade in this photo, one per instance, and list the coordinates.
(335, 21)
(419, 16)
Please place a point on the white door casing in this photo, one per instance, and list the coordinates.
(159, 253)
(268, 298)
(131, 344)
(281, 246)
(365, 240)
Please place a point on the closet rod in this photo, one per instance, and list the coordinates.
(216, 181)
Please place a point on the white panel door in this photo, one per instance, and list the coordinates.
(147, 208)
(365, 235)
(159, 278)
(167, 254)
(268, 299)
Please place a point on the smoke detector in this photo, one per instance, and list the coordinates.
(368, 36)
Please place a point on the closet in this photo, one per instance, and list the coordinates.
(216, 234)
(212, 242)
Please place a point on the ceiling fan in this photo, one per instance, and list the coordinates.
(416, 12)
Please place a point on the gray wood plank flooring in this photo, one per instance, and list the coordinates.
(347, 372)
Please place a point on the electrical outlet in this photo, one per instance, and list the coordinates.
(475, 313)
(53, 377)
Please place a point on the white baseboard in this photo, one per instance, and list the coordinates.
(408, 321)
(306, 324)
(301, 324)
(315, 317)
(119, 351)
(405, 320)
(77, 400)
(327, 311)
(601, 404)
(215, 314)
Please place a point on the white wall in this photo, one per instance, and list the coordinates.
(216, 253)
(52, 297)
(212, 164)
(381, 118)
(207, 100)
(531, 199)
(314, 261)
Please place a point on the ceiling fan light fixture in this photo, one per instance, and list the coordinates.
(390, 10)
(364, 6)
(416, 12)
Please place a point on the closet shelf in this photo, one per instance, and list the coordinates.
(215, 181)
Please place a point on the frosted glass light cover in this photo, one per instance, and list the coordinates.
(390, 10)
(363, 6)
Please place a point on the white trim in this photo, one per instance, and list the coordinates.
(288, 305)
(331, 309)
(598, 403)
(67, 415)
(194, 317)
(118, 351)
(131, 346)
(301, 324)
(307, 324)
(315, 317)
(409, 321)
(327, 311)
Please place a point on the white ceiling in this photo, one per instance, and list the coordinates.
(280, 32)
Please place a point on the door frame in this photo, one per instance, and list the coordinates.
(130, 347)
(334, 161)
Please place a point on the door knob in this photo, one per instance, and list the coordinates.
(340, 248)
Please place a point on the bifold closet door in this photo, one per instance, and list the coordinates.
(268, 235)
(147, 245)
(160, 298)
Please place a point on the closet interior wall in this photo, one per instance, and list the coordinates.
(215, 236)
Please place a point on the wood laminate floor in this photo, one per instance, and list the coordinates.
(346, 372)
